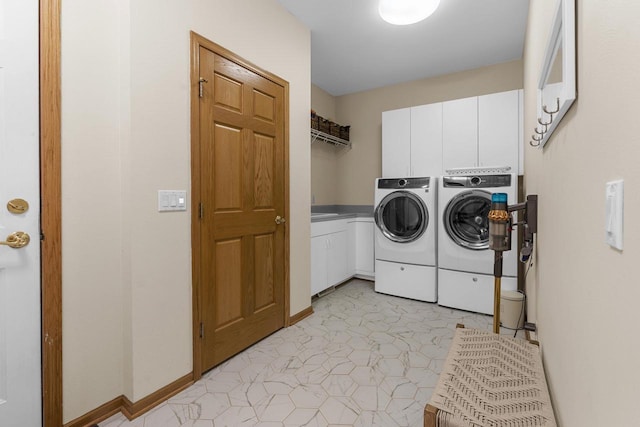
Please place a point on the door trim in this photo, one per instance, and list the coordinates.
(196, 42)
(51, 212)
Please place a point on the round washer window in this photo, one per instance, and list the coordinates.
(402, 217)
(466, 219)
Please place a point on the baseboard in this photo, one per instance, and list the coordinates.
(301, 315)
(129, 409)
(99, 414)
(134, 410)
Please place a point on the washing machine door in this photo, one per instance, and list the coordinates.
(402, 216)
(466, 219)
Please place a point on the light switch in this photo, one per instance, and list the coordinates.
(172, 200)
(614, 209)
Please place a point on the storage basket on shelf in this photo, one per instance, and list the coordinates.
(324, 125)
(344, 132)
(334, 129)
(335, 134)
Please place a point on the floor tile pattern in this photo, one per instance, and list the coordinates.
(362, 359)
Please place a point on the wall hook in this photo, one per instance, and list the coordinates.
(544, 108)
(543, 123)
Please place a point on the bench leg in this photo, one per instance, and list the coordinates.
(430, 413)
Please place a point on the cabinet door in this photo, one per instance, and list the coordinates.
(319, 263)
(352, 247)
(460, 133)
(498, 130)
(365, 257)
(396, 140)
(338, 257)
(426, 140)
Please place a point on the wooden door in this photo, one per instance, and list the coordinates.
(242, 193)
(20, 349)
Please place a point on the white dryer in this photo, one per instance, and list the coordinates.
(465, 262)
(405, 237)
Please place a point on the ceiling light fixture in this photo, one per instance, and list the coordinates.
(405, 12)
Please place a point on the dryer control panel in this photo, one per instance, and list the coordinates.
(478, 181)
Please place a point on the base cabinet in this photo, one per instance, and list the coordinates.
(363, 235)
(329, 254)
(341, 249)
(319, 264)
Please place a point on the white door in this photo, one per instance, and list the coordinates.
(498, 129)
(20, 360)
(396, 143)
(426, 140)
(460, 133)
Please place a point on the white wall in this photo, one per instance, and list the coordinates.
(126, 267)
(582, 293)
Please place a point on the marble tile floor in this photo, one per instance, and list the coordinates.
(362, 359)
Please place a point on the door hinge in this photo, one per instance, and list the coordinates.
(201, 330)
(200, 210)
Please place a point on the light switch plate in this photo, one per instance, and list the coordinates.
(614, 213)
(172, 200)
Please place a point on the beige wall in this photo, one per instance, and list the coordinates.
(92, 315)
(126, 267)
(582, 293)
(324, 162)
(359, 167)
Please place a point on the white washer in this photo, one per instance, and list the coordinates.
(405, 237)
(465, 262)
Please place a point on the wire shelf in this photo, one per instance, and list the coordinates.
(316, 135)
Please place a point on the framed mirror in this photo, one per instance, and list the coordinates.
(557, 83)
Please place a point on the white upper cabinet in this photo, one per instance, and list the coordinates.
(460, 133)
(396, 143)
(482, 132)
(412, 141)
(426, 140)
(498, 130)
(477, 132)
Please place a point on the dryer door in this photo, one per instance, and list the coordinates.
(466, 219)
(402, 217)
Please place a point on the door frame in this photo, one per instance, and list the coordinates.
(51, 212)
(196, 42)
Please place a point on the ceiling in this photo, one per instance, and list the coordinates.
(353, 49)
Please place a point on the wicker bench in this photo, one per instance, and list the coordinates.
(490, 380)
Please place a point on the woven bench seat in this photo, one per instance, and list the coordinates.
(490, 380)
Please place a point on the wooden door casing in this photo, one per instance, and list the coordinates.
(241, 174)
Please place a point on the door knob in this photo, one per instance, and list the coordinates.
(17, 240)
(280, 220)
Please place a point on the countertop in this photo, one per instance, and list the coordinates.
(333, 212)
